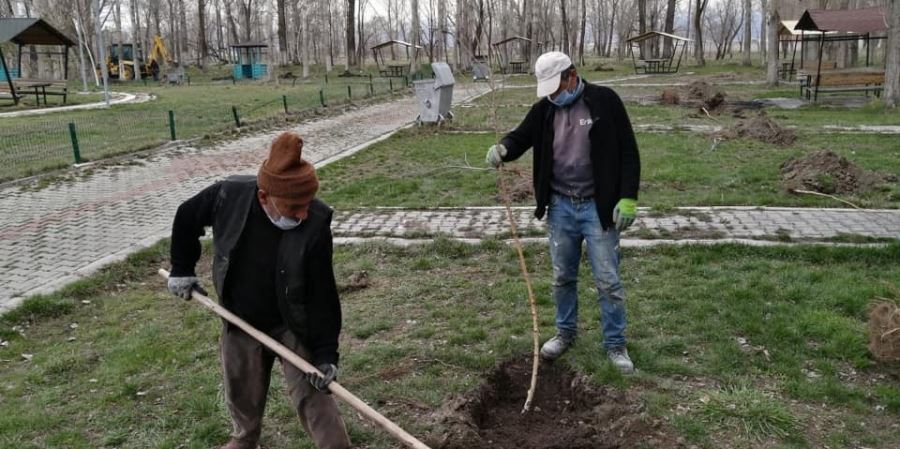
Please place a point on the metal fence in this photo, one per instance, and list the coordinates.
(43, 143)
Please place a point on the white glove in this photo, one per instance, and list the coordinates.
(183, 286)
(495, 155)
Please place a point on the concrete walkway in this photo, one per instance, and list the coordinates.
(784, 224)
(115, 99)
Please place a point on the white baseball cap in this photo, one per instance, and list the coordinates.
(547, 69)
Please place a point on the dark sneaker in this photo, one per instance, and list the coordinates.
(556, 347)
(619, 358)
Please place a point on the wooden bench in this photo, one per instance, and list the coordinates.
(849, 80)
(57, 88)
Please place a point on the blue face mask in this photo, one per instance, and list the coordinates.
(566, 97)
(282, 222)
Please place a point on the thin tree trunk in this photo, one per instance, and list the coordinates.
(304, 42)
(565, 26)
(583, 26)
(748, 5)
(698, 31)
(670, 26)
(892, 58)
(139, 50)
(202, 46)
(772, 52)
(351, 35)
(763, 30)
(282, 31)
(414, 61)
(642, 25)
(119, 42)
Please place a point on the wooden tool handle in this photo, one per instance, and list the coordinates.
(286, 354)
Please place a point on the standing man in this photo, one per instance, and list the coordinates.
(273, 268)
(587, 172)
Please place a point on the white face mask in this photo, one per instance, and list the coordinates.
(282, 222)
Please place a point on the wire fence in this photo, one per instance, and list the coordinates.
(39, 145)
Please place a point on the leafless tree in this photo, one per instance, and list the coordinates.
(892, 63)
(748, 35)
(772, 20)
(700, 7)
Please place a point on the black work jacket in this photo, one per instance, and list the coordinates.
(305, 286)
(614, 152)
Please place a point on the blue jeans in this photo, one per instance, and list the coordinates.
(572, 221)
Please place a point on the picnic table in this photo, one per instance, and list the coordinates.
(516, 66)
(654, 65)
(38, 87)
(396, 69)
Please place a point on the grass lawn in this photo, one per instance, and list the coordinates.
(421, 168)
(30, 145)
(735, 347)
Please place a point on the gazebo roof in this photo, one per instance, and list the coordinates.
(860, 21)
(394, 42)
(249, 45)
(510, 39)
(31, 31)
(655, 34)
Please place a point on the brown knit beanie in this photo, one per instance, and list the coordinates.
(286, 175)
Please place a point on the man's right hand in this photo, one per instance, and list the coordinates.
(183, 286)
(495, 155)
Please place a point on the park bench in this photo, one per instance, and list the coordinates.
(846, 80)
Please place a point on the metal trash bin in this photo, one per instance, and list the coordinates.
(480, 70)
(435, 95)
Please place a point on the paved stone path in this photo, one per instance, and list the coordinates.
(765, 223)
(53, 235)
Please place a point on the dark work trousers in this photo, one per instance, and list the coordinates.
(247, 369)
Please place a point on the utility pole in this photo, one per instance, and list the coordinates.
(102, 51)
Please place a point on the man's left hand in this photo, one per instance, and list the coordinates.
(320, 383)
(624, 213)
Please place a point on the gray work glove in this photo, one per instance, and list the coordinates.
(495, 155)
(319, 382)
(183, 286)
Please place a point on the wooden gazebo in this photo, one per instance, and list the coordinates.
(848, 25)
(394, 65)
(31, 31)
(650, 64)
(249, 61)
(513, 55)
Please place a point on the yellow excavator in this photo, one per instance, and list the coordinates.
(150, 68)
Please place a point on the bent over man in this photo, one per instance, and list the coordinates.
(273, 268)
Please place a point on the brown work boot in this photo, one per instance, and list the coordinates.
(235, 444)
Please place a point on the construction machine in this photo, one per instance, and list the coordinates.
(149, 68)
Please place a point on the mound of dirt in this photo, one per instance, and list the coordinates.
(884, 331)
(827, 172)
(568, 413)
(761, 128)
(518, 182)
(670, 97)
(356, 281)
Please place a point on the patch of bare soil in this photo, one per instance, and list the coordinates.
(568, 413)
(670, 97)
(884, 331)
(356, 281)
(761, 128)
(517, 183)
(826, 172)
